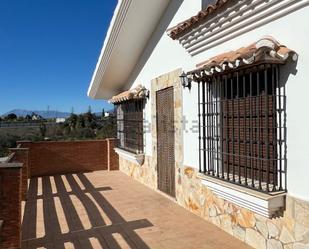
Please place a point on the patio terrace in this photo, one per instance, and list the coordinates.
(107, 209)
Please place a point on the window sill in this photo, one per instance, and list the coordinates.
(11, 165)
(132, 157)
(263, 204)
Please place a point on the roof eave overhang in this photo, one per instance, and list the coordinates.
(131, 28)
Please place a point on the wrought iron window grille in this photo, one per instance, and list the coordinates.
(130, 131)
(242, 128)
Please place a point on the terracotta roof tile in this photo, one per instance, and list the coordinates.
(265, 49)
(200, 17)
(140, 92)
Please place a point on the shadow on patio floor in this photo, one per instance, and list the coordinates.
(68, 211)
(109, 210)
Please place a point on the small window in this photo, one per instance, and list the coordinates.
(130, 126)
(242, 128)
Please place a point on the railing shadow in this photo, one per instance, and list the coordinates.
(60, 213)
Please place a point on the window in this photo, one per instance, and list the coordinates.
(242, 128)
(130, 126)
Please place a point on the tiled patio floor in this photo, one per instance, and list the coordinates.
(110, 210)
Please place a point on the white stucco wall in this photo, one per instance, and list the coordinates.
(291, 30)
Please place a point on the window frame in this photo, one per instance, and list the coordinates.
(213, 152)
(130, 126)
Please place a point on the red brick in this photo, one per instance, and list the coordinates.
(112, 156)
(21, 156)
(10, 206)
(61, 157)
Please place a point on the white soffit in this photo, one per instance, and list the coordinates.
(131, 27)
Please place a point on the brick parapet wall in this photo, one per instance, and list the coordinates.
(21, 155)
(112, 156)
(61, 157)
(10, 205)
(32, 159)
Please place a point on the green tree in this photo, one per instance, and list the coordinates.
(7, 141)
(71, 122)
(108, 128)
(89, 118)
(43, 129)
(11, 117)
(80, 121)
(84, 133)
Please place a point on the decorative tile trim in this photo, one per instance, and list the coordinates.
(235, 20)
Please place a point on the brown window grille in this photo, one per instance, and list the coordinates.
(130, 126)
(242, 134)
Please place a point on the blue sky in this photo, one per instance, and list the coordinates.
(48, 52)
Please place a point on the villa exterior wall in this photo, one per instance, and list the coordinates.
(289, 229)
(291, 31)
(145, 173)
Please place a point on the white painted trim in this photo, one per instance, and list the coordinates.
(4, 159)
(238, 15)
(134, 158)
(109, 42)
(11, 165)
(262, 204)
(124, 43)
(236, 21)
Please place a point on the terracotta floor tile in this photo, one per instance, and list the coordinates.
(109, 210)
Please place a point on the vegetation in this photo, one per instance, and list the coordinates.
(76, 127)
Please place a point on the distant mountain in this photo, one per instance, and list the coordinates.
(44, 114)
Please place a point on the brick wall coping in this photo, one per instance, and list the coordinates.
(4, 159)
(65, 141)
(8, 158)
(10, 165)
